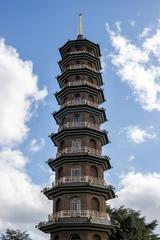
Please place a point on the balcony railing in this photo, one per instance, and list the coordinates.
(81, 82)
(93, 216)
(79, 125)
(78, 52)
(100, 182)
(80, 179)
(85, 149)
(80, 102)
(81, 66)
(79, 213)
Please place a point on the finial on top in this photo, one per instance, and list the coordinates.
(80, 27)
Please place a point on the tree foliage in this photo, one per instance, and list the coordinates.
(12, 234)
(131, 226)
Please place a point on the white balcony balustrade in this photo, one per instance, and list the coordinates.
(79, 125)
(81, 66)
(85, 149)
(100, 182)
(81, 51)
(80, 102)
(79, 213)
(81, 82)
(80, 179)
(98, 217)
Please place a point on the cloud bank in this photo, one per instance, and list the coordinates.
(138, 135)
(138, 65)
(36, 144)
(18, 93)
(21, 204)
(141, 192)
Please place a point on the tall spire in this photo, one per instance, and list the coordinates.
(80, 28)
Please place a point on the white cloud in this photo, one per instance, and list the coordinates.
(141, 192)
(131, 158)
(18, 92)
(145, 32)
(138, 66)
(132, 23)
(152, 45)
(35, 145)
(21, 203)
(118, 25)
(138, 135)
(103, 63)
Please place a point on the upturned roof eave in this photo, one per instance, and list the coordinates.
(100, 111)
(86, 41)
(84, 56)
(102, 135)
(103, 161)
(72, 71)
(70, 88)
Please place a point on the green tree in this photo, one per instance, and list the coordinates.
(131, 226)
(12, 234)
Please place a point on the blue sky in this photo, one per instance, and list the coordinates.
(30, 34)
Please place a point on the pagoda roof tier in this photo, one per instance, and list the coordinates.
(101, 134)
(79, 42)
(77, 188)
(80, 56)
(100, 112)
(103, 161)
(71, 72)
(78, 224)
(80, 88)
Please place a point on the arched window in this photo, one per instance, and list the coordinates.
(91, 98)
(96, 237)
(92, 143)
(78, 48)
(58, 205)
(94, 171)
(76, 143)
(63, 120)
(60, 172)
(64, 100)
(76, 173)
(90, 80)
(89, 64)
(77, 77)
(61, 146)
(56, 237)
(92, 119)
(76, 118)
(77, 97)
(75, 237)
(75, 204)
(89, 50)
(66, 81)
(94, 204)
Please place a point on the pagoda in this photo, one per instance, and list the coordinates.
(79, 193)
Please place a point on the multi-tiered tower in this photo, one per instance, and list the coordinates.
(79, 192)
